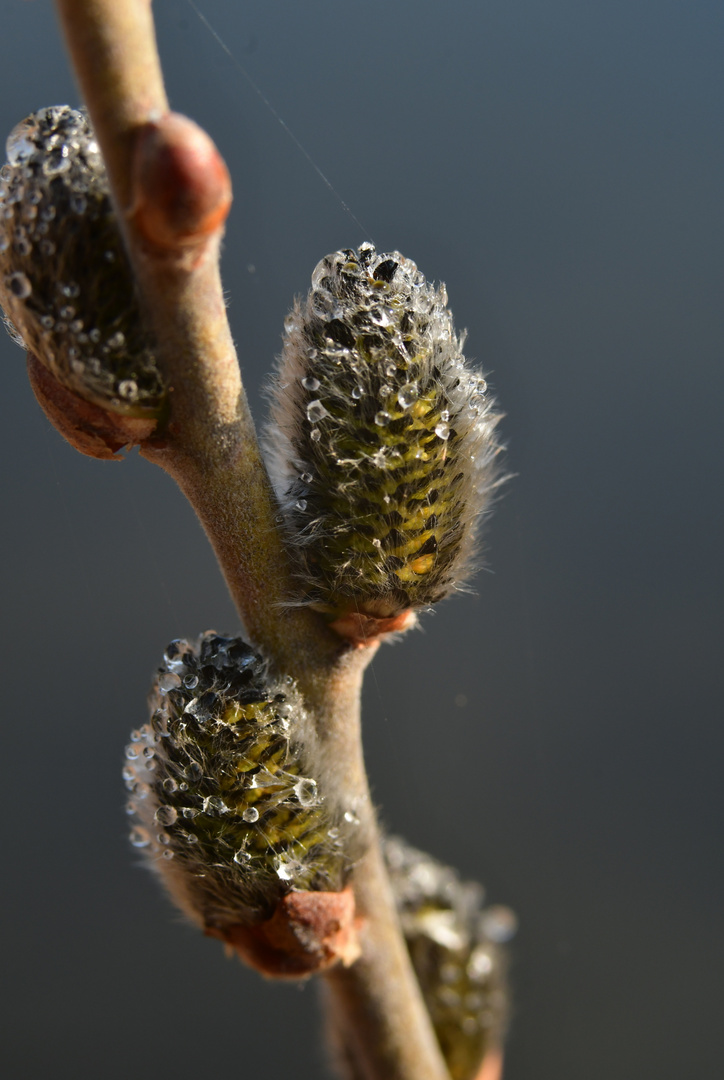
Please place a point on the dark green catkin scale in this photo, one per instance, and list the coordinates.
(66, 285)
(455, 945)
(382, 438)
(222, 787)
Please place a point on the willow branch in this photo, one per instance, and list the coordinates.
(209, 446)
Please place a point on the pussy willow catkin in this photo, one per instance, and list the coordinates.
(382, 438)
(222, 788)
(455, 945)
(65, 282)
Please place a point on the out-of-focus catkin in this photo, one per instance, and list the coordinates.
(456, 948)
(383, 439)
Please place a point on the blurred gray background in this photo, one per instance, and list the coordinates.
(558, 736)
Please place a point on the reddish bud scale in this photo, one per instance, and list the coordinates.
(181, 186)
(88, 428)
(308, 933)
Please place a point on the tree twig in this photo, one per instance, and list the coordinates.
(209, 446)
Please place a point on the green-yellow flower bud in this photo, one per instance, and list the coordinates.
(383, 441)
(223, 790)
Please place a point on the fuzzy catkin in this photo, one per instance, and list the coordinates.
(455, 945)
(66, 285)
(222, 789)
(382, 438)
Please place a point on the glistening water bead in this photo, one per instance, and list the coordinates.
(65, 282)
(221, 789)
(375, 403)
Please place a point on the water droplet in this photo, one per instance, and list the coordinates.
(306, 791)
(20, 146)
(129, 773)
(448, 997)
(310, 383)
(442, 431)
(214, 805)
(333, 833)
(191, 839)
(351, 818)
(67, 312)
(316, 411)
(168, 681)
(128, 389)
(241, 858)
(386, 390)
(166, 815)
(449, 973)
(480, 964)
(149, 753)
(47, 322)
(286, 867)
(499, 923)
(167, 854)
(204, 707)
(57, 161)
(170, 785)
(131, 752)
(140, 837)
(76, 326)
(408, 394)
(445, 415)
(117, 341)
(306, 478)
(291, 323)
(382, 418)
(315, 435)
(390, 369)
(193, 771)
(95, 336)
(19, 285)
(191, 681)
(48, 213)
(357, 392)
(250, 814)
(300, 504)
